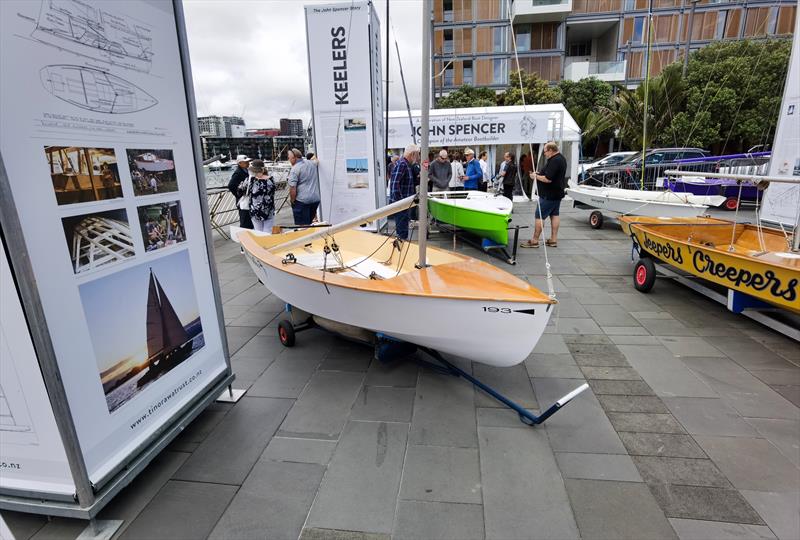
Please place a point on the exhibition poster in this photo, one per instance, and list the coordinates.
(96, 142)
(781, 202)
(32, 457)
(344, 61)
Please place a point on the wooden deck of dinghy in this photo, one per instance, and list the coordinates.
(450, 275)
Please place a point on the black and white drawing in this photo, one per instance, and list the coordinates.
(94, 89)
(15, 420)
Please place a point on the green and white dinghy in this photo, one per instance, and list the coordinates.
(483, 214)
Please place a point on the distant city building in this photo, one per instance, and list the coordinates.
(266, 148)
(575, 39)
(230, 122)
(238, 131)
(263, 132)
(211, 126)
(291, 127)
(310, 138)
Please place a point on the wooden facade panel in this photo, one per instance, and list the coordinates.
(438, 11)
(756, 22)
(438, 76)
(660, 60)
(438, 41)
(458, 73)
(627, 30)
(483, 72)
(733, 23)
(483, 39)
(488, 9)
(597, 6)
(467, 40)
(665, 28)
(786, 17)
(635, 60)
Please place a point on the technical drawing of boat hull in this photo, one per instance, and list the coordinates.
(94, 89)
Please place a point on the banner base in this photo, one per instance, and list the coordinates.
(100, 529)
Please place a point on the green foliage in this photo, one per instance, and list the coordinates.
(467, 96)
(537, 91)
(585, 95)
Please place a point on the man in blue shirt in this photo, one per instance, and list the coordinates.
(401, 185)
(474, 174)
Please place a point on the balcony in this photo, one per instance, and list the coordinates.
(605, 71)
(524, 11)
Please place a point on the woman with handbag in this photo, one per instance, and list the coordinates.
(261, 197)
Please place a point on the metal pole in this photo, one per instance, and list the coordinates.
(424, 121)
(405, 92)
(386, 121)
(646, 90)
(688, 39)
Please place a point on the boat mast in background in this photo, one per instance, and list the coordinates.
(423, 153)
(646, 87)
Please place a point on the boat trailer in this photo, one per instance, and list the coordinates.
(491, 247)
(388, 349)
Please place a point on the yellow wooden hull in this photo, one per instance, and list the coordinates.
(736, 256)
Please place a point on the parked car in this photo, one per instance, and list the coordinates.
(627, 173)
(609, 159)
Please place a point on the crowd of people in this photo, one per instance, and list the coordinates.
(457, 171)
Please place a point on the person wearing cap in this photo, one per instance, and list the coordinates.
(439, 171)
(474, 174)
(238, 186)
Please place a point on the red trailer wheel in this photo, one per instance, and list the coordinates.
(286, 333)
(731, 203)
(644, 275)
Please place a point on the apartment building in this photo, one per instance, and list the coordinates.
(575, 39)
(292, 127)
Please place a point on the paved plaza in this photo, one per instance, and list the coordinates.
(690, 429)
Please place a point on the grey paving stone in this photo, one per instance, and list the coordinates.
(635, 302)
(332, 534)
(752, 464)
(519, 490)
(237, 336)
(598, 467)
(661, 444)
(693, 529)
(182, 510)
(384, 404)
(587, 339)
(59, 529)
(570, 307)
(704, 503)
(442, 474)
(581, 426)
(791, 393)
(610, 373)
(322, 409)
(400, 373)
(625, 331)
(635, 340)
(267, 347)
(444, 412)
(611, 315)
(23, 526)
(641, 404)
(589, 296)
(501, 417)
(359, 490)
(701, 416)
(129, 502)
(419, 520)
(299, 450)
(618, 510)
(272, 503)
(784, 377)
(690, 346)
(779, 510)
(249, 426)
(624, 388)
(551, 344)
(346, 363)
(741, 390)
(575, 326)
(557, 366)
(748, 353)
(512, 382)
(666, 327)
(594, 349)
(784, 434)
(258, 319)
(196, 432)
(645, 422)
(249, 369)
(286, 377)
(602, 360)
(665, 374)
(684, 471)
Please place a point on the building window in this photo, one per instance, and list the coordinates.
(523, 37)
(630, 5)
(581, 48)
(773, 20)
(499, 71)
(722, 18)
(447, 46)
(467, 72)
(448, 76)
(499, 39)
(447, 14)
(638, 30)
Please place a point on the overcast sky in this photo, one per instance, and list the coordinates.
(249, 56)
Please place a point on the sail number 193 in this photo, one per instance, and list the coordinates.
(492, 309)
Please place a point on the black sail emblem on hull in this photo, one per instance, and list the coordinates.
(531, 311)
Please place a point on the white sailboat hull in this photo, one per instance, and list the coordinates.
(490, 332)
(644, 203)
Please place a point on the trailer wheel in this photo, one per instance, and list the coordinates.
(644, 274)
(731, 203)
(286, 333)
(596, 219)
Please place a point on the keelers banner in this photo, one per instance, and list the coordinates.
(97, 147)
(345, 70)
(473, 129)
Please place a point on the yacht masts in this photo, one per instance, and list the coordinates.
(423, 154)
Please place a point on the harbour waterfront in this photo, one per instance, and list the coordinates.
(689, 429)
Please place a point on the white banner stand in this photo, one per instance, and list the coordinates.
(114, 337)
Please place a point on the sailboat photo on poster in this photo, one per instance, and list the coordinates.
(143, 321)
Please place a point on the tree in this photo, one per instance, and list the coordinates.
(736, 86)
(582, 99)
(537, 91)
(467, 96)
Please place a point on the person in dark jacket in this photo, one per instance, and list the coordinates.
(509, 175)
(238, 186)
